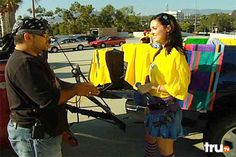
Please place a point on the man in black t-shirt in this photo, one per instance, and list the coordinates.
(36, 97)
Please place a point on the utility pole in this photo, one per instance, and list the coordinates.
(167, 8)
(33, 9)
(141, 19)
(195, 21)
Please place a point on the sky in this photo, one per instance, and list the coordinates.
(144, 7)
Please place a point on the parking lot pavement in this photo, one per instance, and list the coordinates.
(101, 139)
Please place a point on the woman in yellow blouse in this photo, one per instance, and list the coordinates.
(169, 80)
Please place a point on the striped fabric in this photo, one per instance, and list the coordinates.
(150, 149)
(205, 63)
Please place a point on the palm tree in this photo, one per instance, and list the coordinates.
(7, 13)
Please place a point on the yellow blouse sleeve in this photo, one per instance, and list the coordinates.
(178, 79)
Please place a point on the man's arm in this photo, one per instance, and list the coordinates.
(68, 90)
(65, 85)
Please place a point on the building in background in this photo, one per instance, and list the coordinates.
(179, 15)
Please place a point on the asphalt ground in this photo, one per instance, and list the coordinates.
(98, 138)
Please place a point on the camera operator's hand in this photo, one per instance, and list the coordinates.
(87, 89)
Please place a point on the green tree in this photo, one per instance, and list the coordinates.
(187, 26)
(133, 23)
(224, 23)
(59, 11)
(203, 24)
(85, 18)
(220, 22)
(55, 29)
(128, 10)
(120, 20)
(127, 20)
(49, 13)
(39, 11)
(107, 16)
(234, 20)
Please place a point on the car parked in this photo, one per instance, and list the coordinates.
(86, 38)
(108, 41)
(67, 43)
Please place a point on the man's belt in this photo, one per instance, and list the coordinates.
(17, 124)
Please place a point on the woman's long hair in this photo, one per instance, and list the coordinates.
(174, 38)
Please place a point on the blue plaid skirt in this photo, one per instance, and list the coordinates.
(158, 124)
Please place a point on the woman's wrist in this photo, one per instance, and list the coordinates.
(158, 88)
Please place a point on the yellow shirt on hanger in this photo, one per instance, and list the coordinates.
(139, 58)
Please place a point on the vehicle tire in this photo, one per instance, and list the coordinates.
(121, 43)
(54, 49)
(222, 131)
(80, 47)
(103, 45)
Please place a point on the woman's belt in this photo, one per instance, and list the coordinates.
(157, 103)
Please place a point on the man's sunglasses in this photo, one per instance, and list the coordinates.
(44, 34)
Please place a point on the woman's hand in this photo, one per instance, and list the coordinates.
(144, 88)
(144, 39)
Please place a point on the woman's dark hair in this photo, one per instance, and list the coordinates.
(174, 38)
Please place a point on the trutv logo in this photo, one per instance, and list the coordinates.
(216, 148)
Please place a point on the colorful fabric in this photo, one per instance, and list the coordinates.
(196, 40)
(205, 63)
(173, 72)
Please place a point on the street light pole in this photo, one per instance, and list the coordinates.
(33, 9)
(195, 21)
